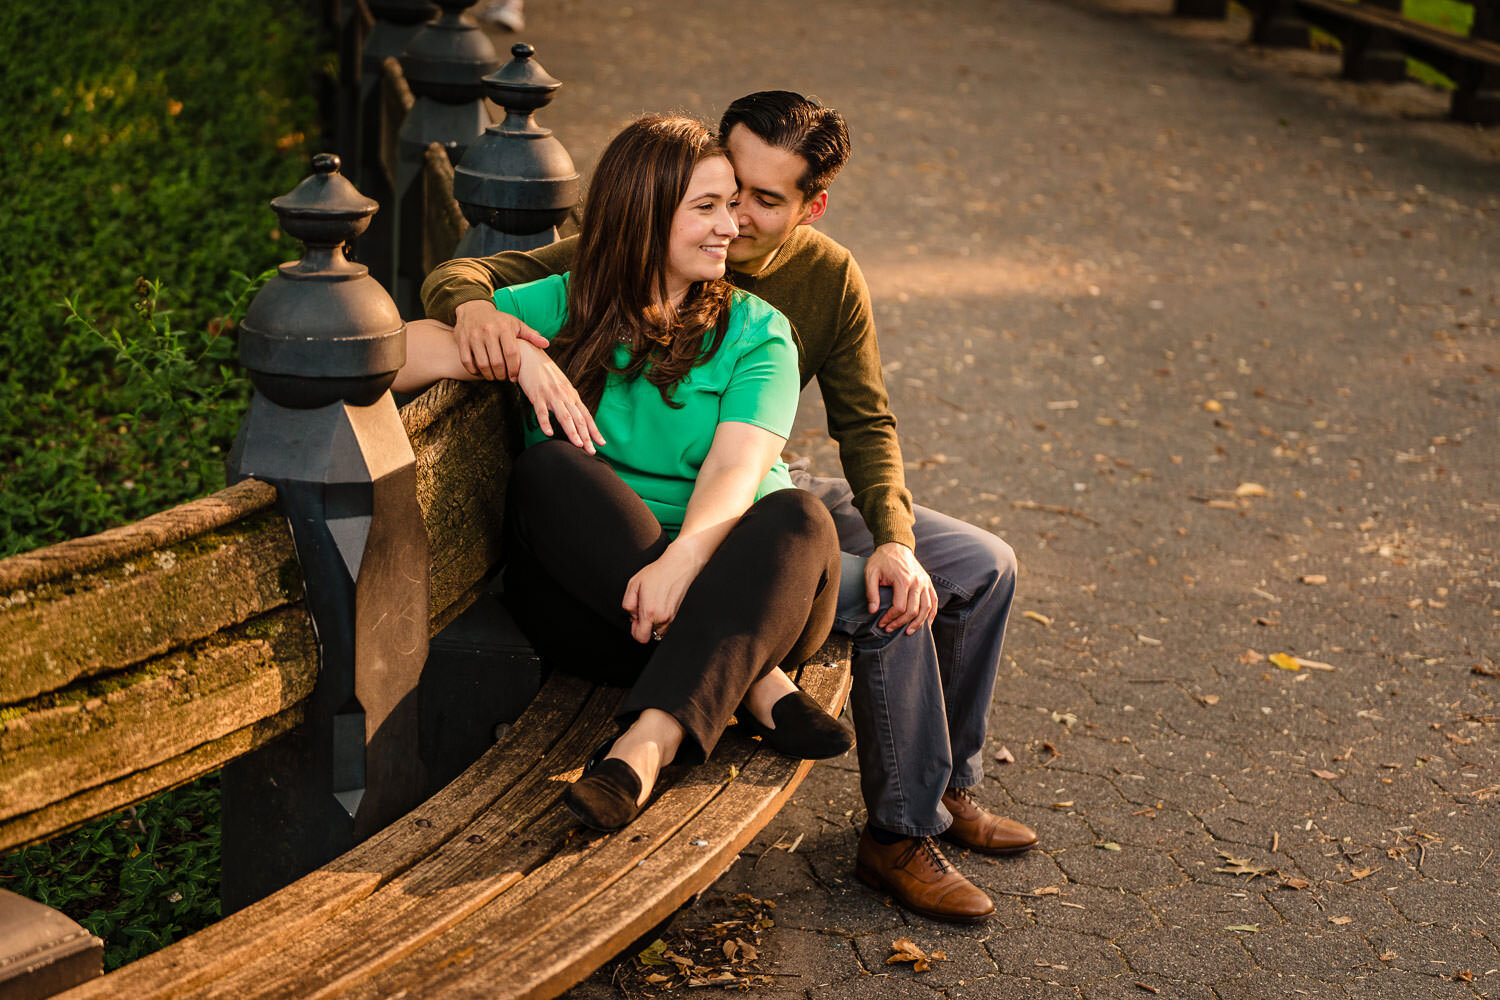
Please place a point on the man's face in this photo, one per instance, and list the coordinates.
(771, 204)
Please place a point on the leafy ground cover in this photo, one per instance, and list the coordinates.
(144, 146)
(141, 151)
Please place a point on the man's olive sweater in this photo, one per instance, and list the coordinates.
(819, 288)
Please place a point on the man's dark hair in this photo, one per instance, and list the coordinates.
(798, 125)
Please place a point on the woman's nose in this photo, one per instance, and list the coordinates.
(727, 225)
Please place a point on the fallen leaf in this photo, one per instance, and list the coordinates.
(652, 955)
(1386, 956)
(1463, 976)
(1037, 617)
(1360, 873)
(1108, 845)
(1251, 490)
(1213, 406)
(1295, 883)
(1047, 890)
(1243, 866)
(657, 977)
(1067, 719)
(1285, 662)
(1208, 699)
(1004, 756)
(1313, 579)
(1146, 640)
(1484, 671)
(731, 948)
(1341, 921)
(1247, 928)
(1063, 805)
(1326, 775)
(1307, 664)
(906, 950)
(1251, 656)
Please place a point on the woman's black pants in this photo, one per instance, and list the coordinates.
(576, 534)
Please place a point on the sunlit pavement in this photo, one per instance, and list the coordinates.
(1210, 338)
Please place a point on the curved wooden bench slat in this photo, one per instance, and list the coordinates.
(429, 904)
(130, 658)
(617, 888)
(564, 705)
(158, 711)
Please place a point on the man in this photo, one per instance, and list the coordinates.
(925, 597)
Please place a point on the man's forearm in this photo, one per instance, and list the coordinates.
(465, 279)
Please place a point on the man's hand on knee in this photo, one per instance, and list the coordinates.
(486, 339)
(913, 598)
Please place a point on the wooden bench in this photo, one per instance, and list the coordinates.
(149, 655)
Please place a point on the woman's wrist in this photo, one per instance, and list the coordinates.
(690, 548)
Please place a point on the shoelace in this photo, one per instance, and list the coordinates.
(965, 795)
(934, 854)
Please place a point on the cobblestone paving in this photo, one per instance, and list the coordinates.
(1210, 338)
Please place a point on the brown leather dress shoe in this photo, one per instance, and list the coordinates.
(983, 831)
(915, 872)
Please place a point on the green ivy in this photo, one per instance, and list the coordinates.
(140, 153)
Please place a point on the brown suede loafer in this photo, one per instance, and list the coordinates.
(982, 831)
(915, 872)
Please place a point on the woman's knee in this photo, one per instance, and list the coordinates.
(800, 517)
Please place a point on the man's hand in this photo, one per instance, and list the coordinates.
(549, 391)
(913, 598)
(487, 340)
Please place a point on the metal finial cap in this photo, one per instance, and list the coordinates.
(521, 85)
(325, 209)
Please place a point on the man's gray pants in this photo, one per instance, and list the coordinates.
(921, 702)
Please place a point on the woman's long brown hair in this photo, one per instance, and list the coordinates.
(620, 272)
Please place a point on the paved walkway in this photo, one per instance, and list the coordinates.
(1210, 338)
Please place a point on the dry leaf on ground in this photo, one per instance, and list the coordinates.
(1313, 579)
(1285, 662)
(1251, 490)
(1004, 756)
(1243, 866)
(906, 950)
(1037, 617)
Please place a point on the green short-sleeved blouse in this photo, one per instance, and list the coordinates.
(657, 449)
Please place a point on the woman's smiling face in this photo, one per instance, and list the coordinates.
(702, 227)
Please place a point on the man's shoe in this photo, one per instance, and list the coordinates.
(915, 872)
(982, 831)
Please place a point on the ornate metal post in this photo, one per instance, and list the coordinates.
(396, 22)
(517, 182)
(1369, 53)
(1215, 10)
(1477, 98)
(1277, 23)
(445, 64)
(323, 342)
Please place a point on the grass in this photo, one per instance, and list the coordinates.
(138, 879)
(144, 139)
(140, 154)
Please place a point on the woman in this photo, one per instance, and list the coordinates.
(664, 548)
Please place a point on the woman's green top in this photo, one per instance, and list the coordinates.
(658, 449)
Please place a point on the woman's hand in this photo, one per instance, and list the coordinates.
(549, 392)
(653, 595)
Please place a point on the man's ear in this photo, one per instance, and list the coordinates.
(813, 210)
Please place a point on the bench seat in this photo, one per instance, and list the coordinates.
(491, 888)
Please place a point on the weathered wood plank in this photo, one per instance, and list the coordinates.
(134, 721)
(626, 883)
(513, 835)
(59, 817)
(565, 704)
(146, 602)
